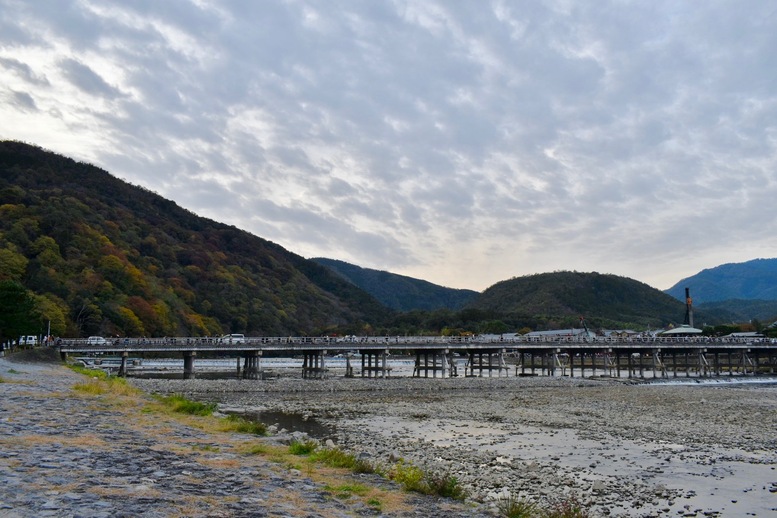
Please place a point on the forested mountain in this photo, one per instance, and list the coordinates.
(739, 310)
(101, 256)
(559, 299)
(398, 291)
(751, 280)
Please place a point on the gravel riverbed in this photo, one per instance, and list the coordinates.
(67, 453)
(618, 448)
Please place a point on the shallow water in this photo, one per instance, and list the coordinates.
(731, 482)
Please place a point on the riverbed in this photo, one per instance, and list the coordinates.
(618, 447)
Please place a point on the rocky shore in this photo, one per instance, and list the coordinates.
(618, 448)
(67, 453)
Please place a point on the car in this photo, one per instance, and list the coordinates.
(96, 340)
(233, 339)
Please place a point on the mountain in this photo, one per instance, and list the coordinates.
(400, 292)
(739, 310)
(101, 256)
(751, 280)
(558, 299)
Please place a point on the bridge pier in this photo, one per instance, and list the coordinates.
(252, 365)
(188, 364)
(123, 366)
(494, 361)
(376, 364)
(442, 361)
(314, 364)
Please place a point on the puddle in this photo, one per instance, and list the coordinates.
(292, 423)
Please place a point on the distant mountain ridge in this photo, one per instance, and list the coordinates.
(559, 299)
(751, 280)
(398, 291)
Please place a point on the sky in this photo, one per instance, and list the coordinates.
(460, 142)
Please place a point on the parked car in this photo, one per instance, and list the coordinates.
(28, 340)
(96, 340)
(233, 339)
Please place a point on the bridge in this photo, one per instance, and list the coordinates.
(486, 355)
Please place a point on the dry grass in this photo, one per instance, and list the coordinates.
(145, 415)
(31, 441)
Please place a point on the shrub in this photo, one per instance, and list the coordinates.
(445, 485)
(410, 477)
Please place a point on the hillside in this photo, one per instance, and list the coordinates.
(751, 280)
(553, 300)
(105, 257)
(398, 291)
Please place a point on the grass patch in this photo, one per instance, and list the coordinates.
(346, 491)
(413, 478)
(2, 380)
(514, 507)
(302, 447)
(239, 424)
(100, 383)
(255, 449)
(181, 405)
(566, 508)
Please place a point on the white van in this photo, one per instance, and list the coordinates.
(28, 340)
(233, 339)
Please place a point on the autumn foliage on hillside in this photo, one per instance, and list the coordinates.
(100, 256)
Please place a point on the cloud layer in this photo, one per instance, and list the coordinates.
(459, 142)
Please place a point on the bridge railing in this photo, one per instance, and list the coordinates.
(355, 342)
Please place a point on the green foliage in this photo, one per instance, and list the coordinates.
(302, 447)
(178, 403)
(557, 300)
(117, 259)
(337, 458)
(413, 478)
(240, 424)
(511, 506)
(17, 311)
(345, 491)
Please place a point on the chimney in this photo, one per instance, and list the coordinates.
(688, 308)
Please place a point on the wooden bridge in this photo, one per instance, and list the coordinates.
(435, 356)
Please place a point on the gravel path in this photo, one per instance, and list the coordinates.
(65, 453)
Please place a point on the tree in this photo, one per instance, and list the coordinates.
(17, 311)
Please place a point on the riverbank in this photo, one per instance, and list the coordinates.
(620, 448)
(66, 452)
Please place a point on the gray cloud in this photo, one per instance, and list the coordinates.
(535, 137)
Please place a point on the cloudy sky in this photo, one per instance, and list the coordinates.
(461, 142)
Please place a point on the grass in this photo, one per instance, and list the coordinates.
(346, 491)
(302, 447)
(413, 478)
(513, 507)
(181, 405)
(239, 424)
(100, 383)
